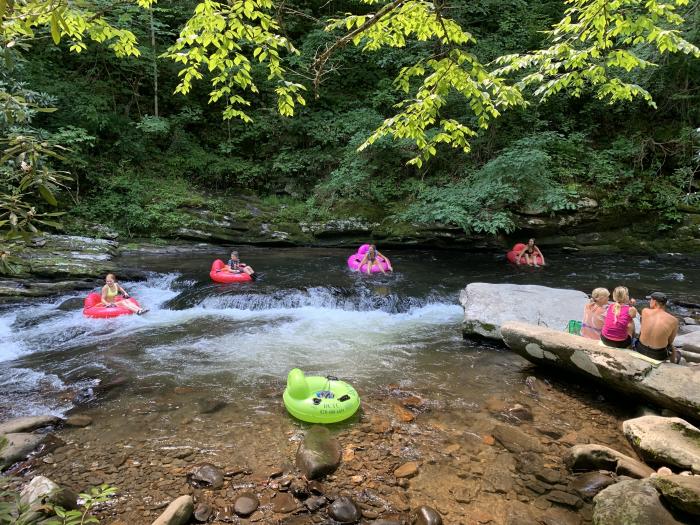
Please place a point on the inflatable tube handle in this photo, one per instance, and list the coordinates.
(297, 387)
(332, 378)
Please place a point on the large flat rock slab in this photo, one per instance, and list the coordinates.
(488, 306)
(667, 385)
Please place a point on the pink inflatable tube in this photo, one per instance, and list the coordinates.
(91, 308)
(220, 275)
(512, 255)
(355, 259)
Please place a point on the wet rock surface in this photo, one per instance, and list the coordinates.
(681, 492)
(665, 441)
(670, 386)
(319, 453)
(345, 510)
(458, 468)
(627, 502)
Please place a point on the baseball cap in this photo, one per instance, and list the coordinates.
(659, 297)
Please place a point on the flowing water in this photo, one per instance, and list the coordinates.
(209, 361)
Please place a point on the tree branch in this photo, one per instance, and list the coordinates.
(320, 62)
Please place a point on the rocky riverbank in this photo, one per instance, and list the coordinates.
(405, 458)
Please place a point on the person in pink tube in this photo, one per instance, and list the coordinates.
(374, 257)
(618, 328)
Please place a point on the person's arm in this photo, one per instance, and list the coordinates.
(519, 256)
(539, 252)
(386, 259)
(123, 291)
(359, 265)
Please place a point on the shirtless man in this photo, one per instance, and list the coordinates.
(659, 329)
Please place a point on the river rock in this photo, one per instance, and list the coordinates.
(681, 492)
(591, 483)
(284, 503)
(426, 516)
(74, 303)
(177, 513)
(41, 490)
(79, 420)
(515, 440)
(246, 504)
(345, 510)
(318, 454)
(14, 447)
(670, 386)
(203, 512)
(407, 470)
(206, 475)
(633, 502)
(27, 424)
(689, 342)
(600, 457)
(668, 441)
(488, 306)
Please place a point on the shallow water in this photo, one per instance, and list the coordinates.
(306, 310)
(151, 381)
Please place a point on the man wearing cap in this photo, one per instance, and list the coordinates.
(659, 329)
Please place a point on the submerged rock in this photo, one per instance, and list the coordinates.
(206, 475)
(488, 306)
(246, 504)
(668, 385)
(319, 453)
(669, 441)
(633, 502)
(426, 516)
(345, 510)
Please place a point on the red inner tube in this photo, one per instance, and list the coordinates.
(512, 255)
(91, 308)
(219, 274)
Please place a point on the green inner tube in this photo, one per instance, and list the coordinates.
(317, 399)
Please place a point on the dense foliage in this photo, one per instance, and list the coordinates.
(441, 90)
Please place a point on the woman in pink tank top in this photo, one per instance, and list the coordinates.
(618, 327)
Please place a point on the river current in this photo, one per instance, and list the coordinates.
(306, 310)
(199, 378)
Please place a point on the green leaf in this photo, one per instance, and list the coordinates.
(47, 195)
(55, 32)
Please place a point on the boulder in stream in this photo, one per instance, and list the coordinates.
(669, 441)
(631, 502)
(318, 454)
(681, 492)
(14, 447)
(488, 306)
(28, 424)
(668, 385)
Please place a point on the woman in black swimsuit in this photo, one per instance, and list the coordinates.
(531, 252)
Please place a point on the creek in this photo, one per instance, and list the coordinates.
(205, 368)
